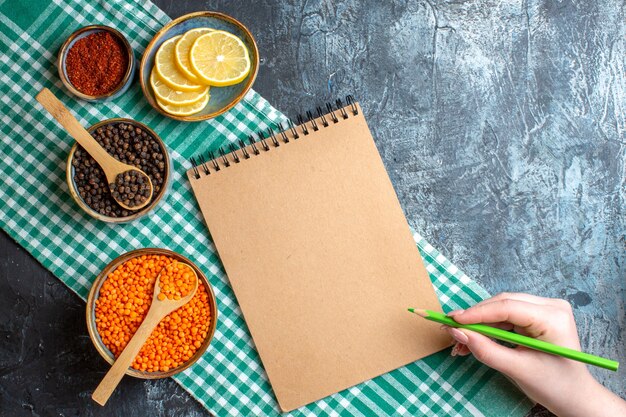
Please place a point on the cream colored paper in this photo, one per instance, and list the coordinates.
(321, 259)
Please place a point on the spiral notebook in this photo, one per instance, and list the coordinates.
(319, 254)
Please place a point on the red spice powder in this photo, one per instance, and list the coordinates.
(96, 64)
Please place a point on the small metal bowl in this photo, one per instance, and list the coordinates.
(222, 98)
(95, 292)
(157, 199)
(86, 31)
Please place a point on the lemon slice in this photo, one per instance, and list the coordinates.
(184, 110)
(181, 52)
(220, 58)
(164, 64)
(174, 97)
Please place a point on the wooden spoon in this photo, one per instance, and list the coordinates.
(111, 166)
(158, 310)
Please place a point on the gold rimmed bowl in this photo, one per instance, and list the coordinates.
(157, 198)
(222, 98)
(86, 31)
(95, 292)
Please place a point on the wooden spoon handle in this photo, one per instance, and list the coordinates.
(73, 127)
(114, 376)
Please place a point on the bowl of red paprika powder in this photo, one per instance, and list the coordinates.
(96, 63)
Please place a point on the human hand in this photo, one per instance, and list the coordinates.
(563, 386)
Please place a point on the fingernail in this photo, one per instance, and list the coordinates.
(444, 327)
(455, 313)
(455, 350)
(459, 336)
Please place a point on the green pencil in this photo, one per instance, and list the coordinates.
(519, 339)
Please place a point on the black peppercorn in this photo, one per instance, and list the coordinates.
(125, 143)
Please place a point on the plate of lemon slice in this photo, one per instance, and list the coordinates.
(199, 66)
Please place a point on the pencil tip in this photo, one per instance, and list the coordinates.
(419, 312)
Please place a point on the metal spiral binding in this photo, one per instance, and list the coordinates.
(233, 153)
(294, 132)
(224, 159)
(275, 142)
(213, 160)
(333, 116)
(263, 141)
(311, 122)
(255, 150)
(282, 132)
(350, 101)
(302, 124)
(205, 168)
(194, 166)
(242, 146)
(320, 114)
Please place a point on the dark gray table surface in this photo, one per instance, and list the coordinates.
(501, 124)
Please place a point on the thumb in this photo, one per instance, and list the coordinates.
(487, 351)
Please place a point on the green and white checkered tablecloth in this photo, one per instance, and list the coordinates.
(37, 211)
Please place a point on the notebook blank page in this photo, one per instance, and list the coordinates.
(321, 259)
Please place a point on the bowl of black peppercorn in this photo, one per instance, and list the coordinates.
(130, 142)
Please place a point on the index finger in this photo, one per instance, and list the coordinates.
(520, 296)
(519, 313)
